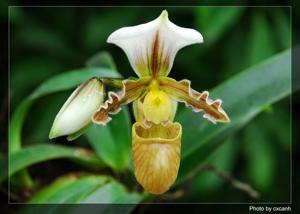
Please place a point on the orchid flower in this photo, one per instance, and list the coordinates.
(156, 138)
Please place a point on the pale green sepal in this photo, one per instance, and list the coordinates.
(76, 135)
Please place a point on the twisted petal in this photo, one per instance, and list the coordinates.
(131, 90)
(182, 91)
(76, 113)
(156, 155)
(151, 47)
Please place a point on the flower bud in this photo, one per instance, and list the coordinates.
(77, 111)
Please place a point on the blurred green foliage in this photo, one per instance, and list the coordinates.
(47, 44)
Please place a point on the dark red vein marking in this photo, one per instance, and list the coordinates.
(154, 64)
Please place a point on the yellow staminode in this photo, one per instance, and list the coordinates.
(157, 106)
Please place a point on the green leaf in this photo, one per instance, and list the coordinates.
(101, 59)
(68, 189)
(84, 189)
(99, 26)
(117, 194)
(245, 95)
(214, 22)
(37, 68)
(230, 65)
(261, 44)
(112, 142)
(223, 159)
(70, 79)
(34, 154)
(46, 193)
(278, 125)
(51, 104)
(283, 27)
(261, 166)
(16, 124)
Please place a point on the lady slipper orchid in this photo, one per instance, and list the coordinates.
(156, 139)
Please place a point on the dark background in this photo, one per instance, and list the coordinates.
(47, 41)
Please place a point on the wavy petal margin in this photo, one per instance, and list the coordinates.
(130, 91)
(182, 92)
